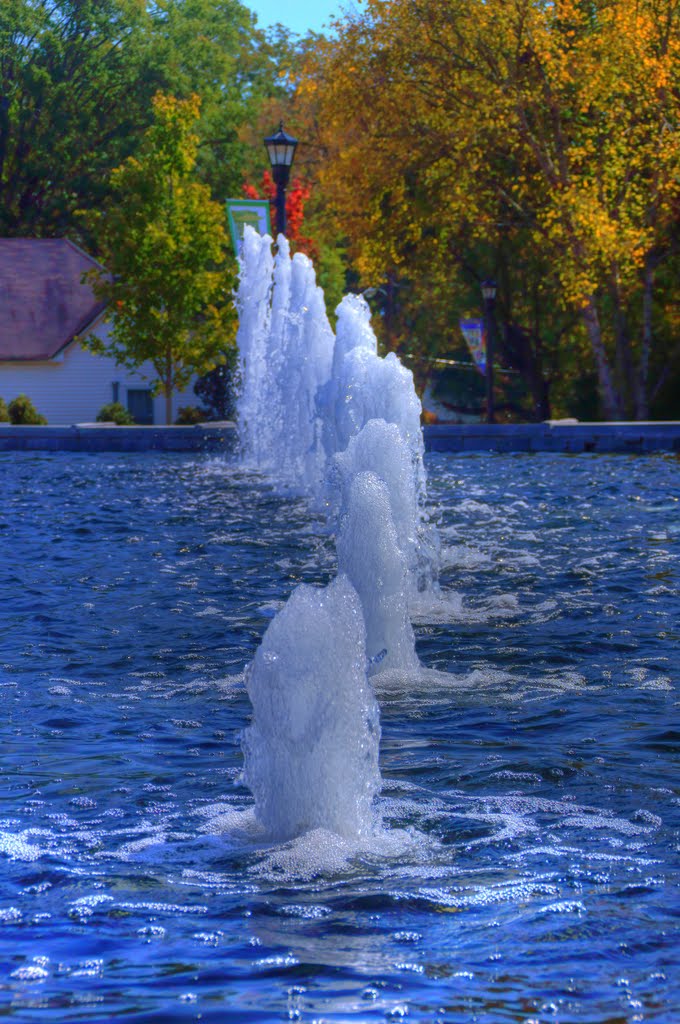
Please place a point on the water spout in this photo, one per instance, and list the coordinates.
(329, 418)
(311, 753)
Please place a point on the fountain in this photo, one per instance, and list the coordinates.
(369, 553)
(520, 848)
(329, 418)
(285, 348)
(312, 750)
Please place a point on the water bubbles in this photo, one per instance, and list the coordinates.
(17, 848)
(92, 968)
(282, 961)
(209, 938)
(407, 937)
(30, 972)
(151, 931)
(564, 907)
(398, 1012)
(83, 802)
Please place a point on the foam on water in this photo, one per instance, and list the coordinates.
(324, 852)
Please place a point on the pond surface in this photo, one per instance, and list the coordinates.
(532, 774)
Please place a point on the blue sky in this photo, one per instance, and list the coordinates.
(298, 15)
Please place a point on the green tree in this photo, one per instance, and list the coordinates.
(163, 238)
(76, 82)
(211, 48)
(71, 84)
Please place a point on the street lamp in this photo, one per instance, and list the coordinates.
(281, 150)
(489, 296)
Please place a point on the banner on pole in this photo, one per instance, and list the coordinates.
(247, 211)
(475, 337)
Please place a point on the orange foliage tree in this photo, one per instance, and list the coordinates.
(537, 141)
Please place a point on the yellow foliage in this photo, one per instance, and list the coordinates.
(442, 119)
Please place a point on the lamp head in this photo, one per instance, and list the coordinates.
(489, 290)
(281, 150)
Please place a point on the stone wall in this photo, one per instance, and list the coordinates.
(467, 437)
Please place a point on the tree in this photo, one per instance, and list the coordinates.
(461, 134)
(281, 61)
(70, 75)
(76, 82)
(164, 243)
(297, 194)
(211, 48)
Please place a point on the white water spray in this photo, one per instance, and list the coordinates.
(311, 754)
(329, 418)
(369, 553)
(285, 351)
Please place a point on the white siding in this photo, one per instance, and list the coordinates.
(73, 388)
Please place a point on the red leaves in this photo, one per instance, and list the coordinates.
(297, 195)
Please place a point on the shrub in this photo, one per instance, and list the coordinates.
(187, 415)
(114, 412)
(4, 415)
(216, 389)
(22, 412)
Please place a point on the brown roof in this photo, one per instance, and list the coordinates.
(43, 302)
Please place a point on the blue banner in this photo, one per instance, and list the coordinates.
(475, 336)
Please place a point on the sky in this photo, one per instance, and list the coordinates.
(298, 15)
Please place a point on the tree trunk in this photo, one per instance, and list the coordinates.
(167, 387)
(624, 359)
(611, 403)
(642, 380)
(540, 387)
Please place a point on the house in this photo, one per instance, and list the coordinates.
(44, 308)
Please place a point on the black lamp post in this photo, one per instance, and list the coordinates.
(489, 296)
(281, 150)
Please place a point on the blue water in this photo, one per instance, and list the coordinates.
(533, 775)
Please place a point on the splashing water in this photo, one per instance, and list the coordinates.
(329, 418)
(304, 393)
(364, 387)
(369, 553)
(312, 750)
(378, 449)
(285, 350)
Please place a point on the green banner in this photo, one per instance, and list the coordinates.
(247, 211)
